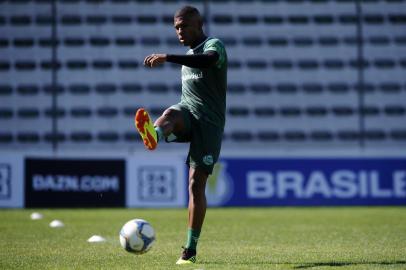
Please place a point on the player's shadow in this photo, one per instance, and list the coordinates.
(335, 264)
(312, 264)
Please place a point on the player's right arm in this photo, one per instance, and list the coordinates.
(204, 60)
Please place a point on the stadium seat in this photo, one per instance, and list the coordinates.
(76, 64)
(74, 41)
(260, 88)
(127, 64)
(236, 88)
(379, 40)
(125, 41)
(234, 64)
(150, 41)
(20, 20)
(333, 64)
(291, 111)
(28, 137)
(79, 89)
(398, 134)
(321, 136)
(107, 112)
(6, 113)
(104, 64)
(99, 41)
(238, 111)
(277, 41)
(6, 89)
(247, 19)
(302, 41)
(268, 136)
(374, 135)
(348, 135)
(28, 113)
(25, 65)
(28, 89)
(177, 88)
(312, 88)
(131, 88)
(50, 137)
(81, 137)
(105, 88)
(286, 88)
(172, 41)
(48, 42)
(390, 87)
(328, 41)
(256, 64)
(273, 19)
(96, 19)
(50, 65)
(157, 88)
(6, 137)
(264, 111)
(4, 65)
(4, 43)
(222, 19)
(131, 136)
(147, 19)
(129, 111)
(400, 40)
(50, 89)
(318, 111)
(342, 111)
(80, 112)
(282, 64)
(108, 136)
(395, 110)
(369, 111)
(23, 42)
(252, 41)
(70, 20)
(52, 113)
(241, 136)
(229, 41)
(294, 135)
(338, 88)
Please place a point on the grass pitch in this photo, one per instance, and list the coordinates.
(232, 238)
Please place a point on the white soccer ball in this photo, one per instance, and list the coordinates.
(137, 236)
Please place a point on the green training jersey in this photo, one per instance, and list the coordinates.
(204, 89)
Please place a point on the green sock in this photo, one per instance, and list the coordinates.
(192, 238)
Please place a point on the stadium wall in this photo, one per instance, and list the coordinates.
(160, 181)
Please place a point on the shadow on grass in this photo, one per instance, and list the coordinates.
(317, 264)
(310, 264)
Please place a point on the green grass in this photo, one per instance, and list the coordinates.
(232, 238)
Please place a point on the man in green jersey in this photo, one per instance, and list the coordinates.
(198, 118)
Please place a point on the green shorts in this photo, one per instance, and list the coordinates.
(204, 137)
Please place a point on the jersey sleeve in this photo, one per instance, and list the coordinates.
(217, 46)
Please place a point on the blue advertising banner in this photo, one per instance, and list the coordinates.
(307, 182)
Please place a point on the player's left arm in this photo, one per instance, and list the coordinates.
(205, 60)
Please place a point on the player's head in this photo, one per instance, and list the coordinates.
(188, 25)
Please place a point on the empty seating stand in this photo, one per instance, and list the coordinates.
(295, 73)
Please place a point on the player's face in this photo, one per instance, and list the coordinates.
(187, 29)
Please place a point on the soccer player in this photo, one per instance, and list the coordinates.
(198, 118)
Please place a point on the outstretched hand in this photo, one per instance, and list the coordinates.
(154, 60)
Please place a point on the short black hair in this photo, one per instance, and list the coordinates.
(187, 11)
